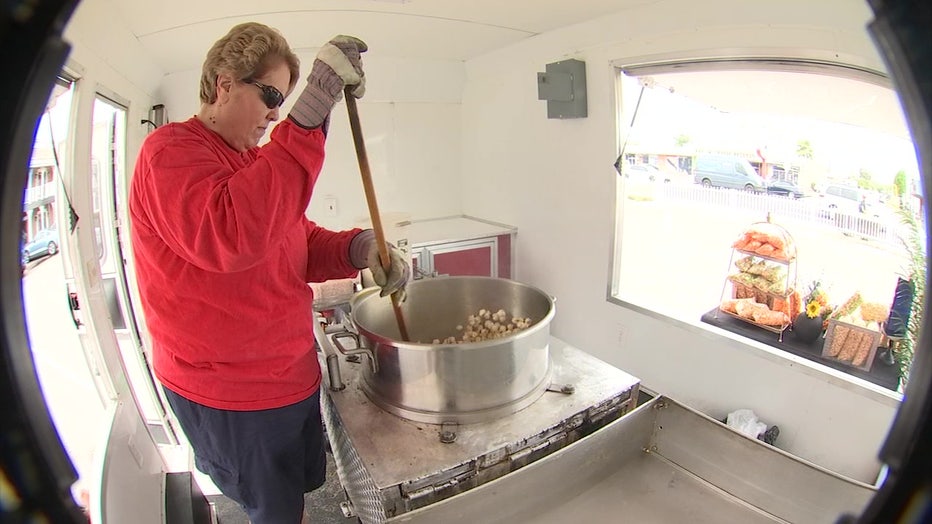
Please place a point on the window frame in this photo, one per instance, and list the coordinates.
(728, 61)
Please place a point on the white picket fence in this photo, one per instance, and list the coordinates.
(806, 210)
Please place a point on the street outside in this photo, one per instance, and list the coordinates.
(675, 256)
(69, 390)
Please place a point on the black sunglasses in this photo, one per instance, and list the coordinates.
(270, 95)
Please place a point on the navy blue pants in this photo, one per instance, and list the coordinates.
(264, 460)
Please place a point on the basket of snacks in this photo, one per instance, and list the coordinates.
(756, 313)
(854, 332)
(760, 274)
(763, 278)
(768, 240)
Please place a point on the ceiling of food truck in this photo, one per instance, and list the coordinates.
(176, 33)
(433, 29)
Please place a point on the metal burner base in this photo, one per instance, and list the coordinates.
(390, 466)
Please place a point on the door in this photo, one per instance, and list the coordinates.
(109, 184)
(75, 344)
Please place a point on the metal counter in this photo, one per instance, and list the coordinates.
(661, 463)
(390, 466)
(572, 458)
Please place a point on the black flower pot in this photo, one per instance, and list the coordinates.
(807, 329)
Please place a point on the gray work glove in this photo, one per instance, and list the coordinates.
(364, 252)
(395, 281)
(337, 65)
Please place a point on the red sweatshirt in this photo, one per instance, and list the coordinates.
(223, 255)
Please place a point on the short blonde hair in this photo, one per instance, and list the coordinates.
(248, 51)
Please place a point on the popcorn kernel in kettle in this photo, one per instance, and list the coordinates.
(488, 325)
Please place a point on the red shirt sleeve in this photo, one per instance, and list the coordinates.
(328, 253)
(235, 206)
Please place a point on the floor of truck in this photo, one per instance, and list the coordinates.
(322, 506)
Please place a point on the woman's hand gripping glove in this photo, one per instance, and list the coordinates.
(364, 252)
(337, 65)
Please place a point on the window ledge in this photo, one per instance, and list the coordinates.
(804, 365)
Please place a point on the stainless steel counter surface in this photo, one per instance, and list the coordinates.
(661, 463)
(404, 465)
(453, 229)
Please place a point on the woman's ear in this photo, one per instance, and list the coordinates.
(224, 85)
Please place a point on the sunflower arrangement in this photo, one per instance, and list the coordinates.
(816, 301)
(813, 309)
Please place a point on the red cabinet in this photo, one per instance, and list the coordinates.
(476, 260)
(487, 249)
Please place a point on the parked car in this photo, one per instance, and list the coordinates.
(848, 200)
(726, 171)
(643, 173)
(784, 188)
(44, 243)
(850, 209)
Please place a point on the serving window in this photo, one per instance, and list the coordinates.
(685, 198)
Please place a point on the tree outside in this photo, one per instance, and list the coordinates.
(899, 186)
(864, 179)
(804, 149)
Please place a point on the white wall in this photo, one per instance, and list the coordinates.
(554, 180)
(108, 55)
(410, 117)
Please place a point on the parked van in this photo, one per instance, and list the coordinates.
(849, 200)
(846, 199)
(726, 171)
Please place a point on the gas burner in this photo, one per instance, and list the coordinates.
(390, 465)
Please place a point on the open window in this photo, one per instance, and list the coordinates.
(822, 151)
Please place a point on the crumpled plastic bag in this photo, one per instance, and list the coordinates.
(745, 421)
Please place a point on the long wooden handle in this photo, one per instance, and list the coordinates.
(374, 215)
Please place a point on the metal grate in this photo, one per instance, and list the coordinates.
(358, 484)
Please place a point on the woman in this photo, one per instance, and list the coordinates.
(224, 253)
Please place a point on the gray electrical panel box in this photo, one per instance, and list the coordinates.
(563, 86)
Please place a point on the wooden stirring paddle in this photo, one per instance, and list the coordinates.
(371, 201)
